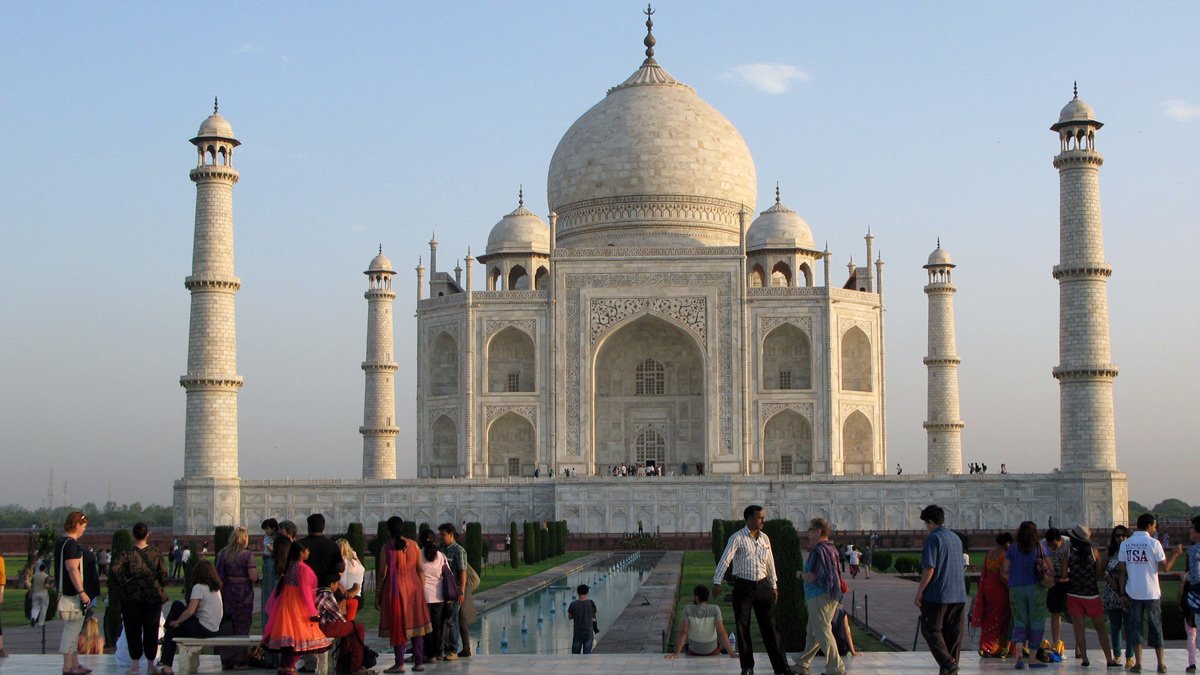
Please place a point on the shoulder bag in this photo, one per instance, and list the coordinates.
(1044, 568)
(450, 590)
(472, 577)
(69, 608)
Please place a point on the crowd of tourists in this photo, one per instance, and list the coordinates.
(311, 594)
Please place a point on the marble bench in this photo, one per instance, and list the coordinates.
(189, 651)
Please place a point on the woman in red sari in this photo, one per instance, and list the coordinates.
(991, 613)
(400, 598)
(292, 629)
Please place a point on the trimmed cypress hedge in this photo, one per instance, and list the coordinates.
(881, 560)
(718, 539)
(122, 541)
(356, 539)
(529, 543)
(791, 610)
(221, 536)
(474, 546)
(512, 545)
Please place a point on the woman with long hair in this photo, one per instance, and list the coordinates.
(91, 640)
(433, 563)
(235, 566)
(141, 576)
(292, 629)
(1083, 593)
(991, 612)
(352, 577)
(1026, 594)
(73, 596)
(1114, 611)
(400, 598)
(200, 618)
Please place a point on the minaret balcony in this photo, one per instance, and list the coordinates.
(1089, 270)
(1099, 371)
(209, 172)
(206, 283)
(202, 381)
(379, 367)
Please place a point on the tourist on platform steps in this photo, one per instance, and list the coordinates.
(941, 594)
(1026, 595)
(755, 586)
(68, 565)
(1190, 593)
(293, 629)
(142, 578)
(238, 573)
(702, 631)
(823, 595)
(336, 619)
(582, 613)
(1142, 558)
(1083, 594)
(433, 567)
(400, 597)
(351, 582)
(1056, 596)
(39, 595)
(270, 528)
(1114, 610)
(460, 612)
(991, 613)
(199, 618)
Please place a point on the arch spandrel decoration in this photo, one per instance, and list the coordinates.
(493, 412)
(767, 323)
(691, 313)
(493, 326)
(768, 410)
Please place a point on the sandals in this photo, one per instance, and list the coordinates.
(397, 668)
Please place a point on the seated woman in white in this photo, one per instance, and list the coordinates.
(703, 631)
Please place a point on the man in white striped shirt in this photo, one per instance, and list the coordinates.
(754, 586)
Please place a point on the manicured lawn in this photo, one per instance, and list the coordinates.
(698, 568)
(502, 574)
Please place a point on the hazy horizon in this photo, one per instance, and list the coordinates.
(376, 123)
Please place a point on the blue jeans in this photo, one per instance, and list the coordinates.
(1116, 628)
(581, 643)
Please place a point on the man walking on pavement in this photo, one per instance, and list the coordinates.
(1141, 558)
(942, 592)
(754, 586)
(823, 595)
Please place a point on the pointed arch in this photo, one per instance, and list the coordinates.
(511, 446)
(856, 360)
(443, 366)
(788, 445)
(758, 278)
(541, 278)
(781, 274)
(806, 272)
(443, 455)
(494, 279)
(510, 362)
(858, 445)
(518, 279)
(786, 359)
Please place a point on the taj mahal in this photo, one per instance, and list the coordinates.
(658, 317)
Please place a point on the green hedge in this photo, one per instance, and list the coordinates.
(881, 560)
(221, 536)
(513, 558)
(474, 546)
(357, 540)
(529, 545)
(122, 541)
(718, 538)
(410, 529)
(791, 610)
(907, 564)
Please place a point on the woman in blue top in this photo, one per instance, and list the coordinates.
(1026, 596)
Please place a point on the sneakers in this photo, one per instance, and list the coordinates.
(1191, 668)
(450, 656)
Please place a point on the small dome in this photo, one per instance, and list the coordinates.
(519, 232)
(779, 227)
(380, 263)
(939, 258)
(215, 126)
(1076, 111)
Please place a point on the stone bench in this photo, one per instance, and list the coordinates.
(188, 651)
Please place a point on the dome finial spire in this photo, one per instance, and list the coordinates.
(215, 105)
(649, 41)
(380, 248)
(776, 192)
(1075, 88)
(521, 195)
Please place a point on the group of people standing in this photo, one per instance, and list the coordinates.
(1027, 579)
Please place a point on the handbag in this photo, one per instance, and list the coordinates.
(69, 607)
(450, 588)
(1044, 569)
(472, 578)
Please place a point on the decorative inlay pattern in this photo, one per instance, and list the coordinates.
(788, 292)
(621, 252)
(493, 412)
(767, 323)
(845, 324)
(847, 408)
(451, 413)
(721, 281)
(605, 312)
(449, 328)
(769, 410)
(661, 427)
(493, 326)
(508, 296)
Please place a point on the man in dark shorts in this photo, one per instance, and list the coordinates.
(1056, 595)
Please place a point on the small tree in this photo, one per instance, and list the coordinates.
(512, 545)
(529, 543)
(354, 535)
(881, 560)
(718, 539)
(474, 546)
(791, 609)
(376, 545)
(221, 536)
(410, 529)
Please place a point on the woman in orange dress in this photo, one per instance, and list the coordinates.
(292, 629)
(991, 613)
(403, 613)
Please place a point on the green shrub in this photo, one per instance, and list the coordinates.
(881, 560)
(354, 536)
(122, 541)
(221, 536)
(474, 546)
(376, 545)
(512, 545)
(529, 543)
(791, 610)
(410, 529)
(907, 564)
(718, 539)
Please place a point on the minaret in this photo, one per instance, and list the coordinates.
(943, 428)
(1085, 372)
(212, 383)
(379, 407)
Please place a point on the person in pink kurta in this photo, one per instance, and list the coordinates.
(401, 597)
(292, 629)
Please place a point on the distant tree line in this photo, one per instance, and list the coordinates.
(13, 516)
(1173, 509)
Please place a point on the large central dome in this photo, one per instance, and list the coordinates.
(651, 165)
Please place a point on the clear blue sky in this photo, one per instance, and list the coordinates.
(380, 122)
